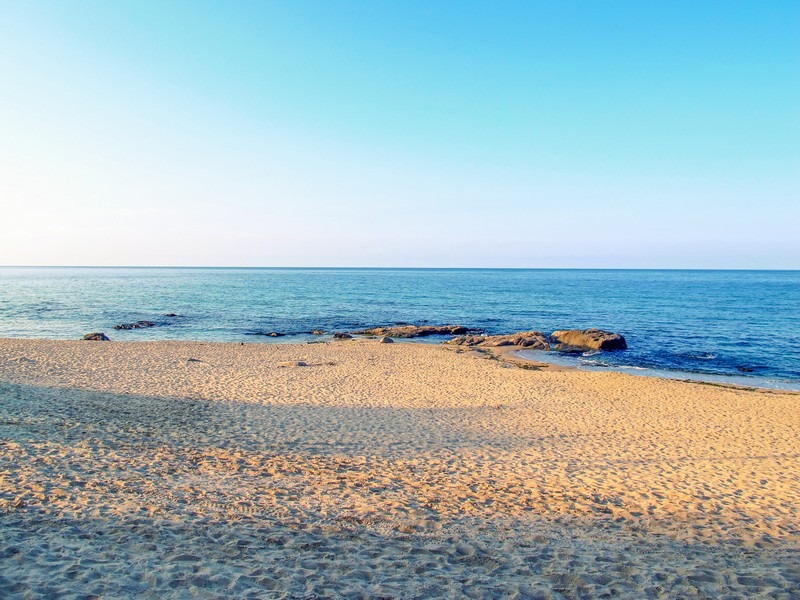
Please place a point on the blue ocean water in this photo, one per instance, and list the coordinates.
(742, 325)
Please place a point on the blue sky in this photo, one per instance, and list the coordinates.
(505, 134)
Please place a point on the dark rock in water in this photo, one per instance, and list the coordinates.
(575, 340)
(171, 315)
(342, 336)
(137, 325)
(266, 333)
(744, 369)
(412, 331)
(96, 337)
(386, 340)
(533, 340)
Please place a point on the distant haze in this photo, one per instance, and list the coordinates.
(414, 133)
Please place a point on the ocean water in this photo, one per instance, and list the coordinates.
(737, 326)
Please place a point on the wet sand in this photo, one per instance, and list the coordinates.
(359, 469)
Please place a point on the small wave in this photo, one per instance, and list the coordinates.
(592, 353)
(702, 356)
(594, 363)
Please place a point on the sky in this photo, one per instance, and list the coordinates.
(586, 134)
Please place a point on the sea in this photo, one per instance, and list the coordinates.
(739, 327)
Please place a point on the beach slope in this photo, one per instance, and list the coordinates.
(359, 469)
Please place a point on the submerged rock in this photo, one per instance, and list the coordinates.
(587, 339)
(412, 331)
(137, 325)
(96, 337)
(266, 333)
(533, 340)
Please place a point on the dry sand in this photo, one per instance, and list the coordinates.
(359, 469)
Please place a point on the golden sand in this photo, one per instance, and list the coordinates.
(359, 469)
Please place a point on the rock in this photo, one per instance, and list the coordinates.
(266, 333)
(171, 315)
(386, 340)
(588, 339)
(318, 332)
(342, 336)
(534, 340)
(137, 325)
(96, 337)
(412, 331)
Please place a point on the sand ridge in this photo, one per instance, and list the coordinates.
(396, 470)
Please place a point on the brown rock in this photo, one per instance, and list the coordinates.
(342, 336)
(588, 339)
(96, 337)
(412, 331)
(534, 340)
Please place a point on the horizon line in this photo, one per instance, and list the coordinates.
(395, 268)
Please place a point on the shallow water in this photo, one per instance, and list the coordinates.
(742, 324)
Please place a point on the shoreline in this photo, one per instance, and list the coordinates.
(534, 359)
(733, 381)
(163, 469)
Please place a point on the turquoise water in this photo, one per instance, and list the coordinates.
(742, 324)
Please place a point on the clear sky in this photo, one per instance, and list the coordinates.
(404, 133)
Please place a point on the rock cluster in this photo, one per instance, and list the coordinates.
(412, 331)
(137, 325)
(587, 339)
(96, 337)
(533, 340)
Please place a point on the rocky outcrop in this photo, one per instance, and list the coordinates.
(339, 335)
(96, 337)
(266, 333)
(412, 331)
(533, 340)
(587, 339)
(137, 325)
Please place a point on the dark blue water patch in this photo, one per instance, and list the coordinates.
(715, 322)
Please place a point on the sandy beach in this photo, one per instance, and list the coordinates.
(364, 470)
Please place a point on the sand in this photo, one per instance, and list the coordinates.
(364, 470)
